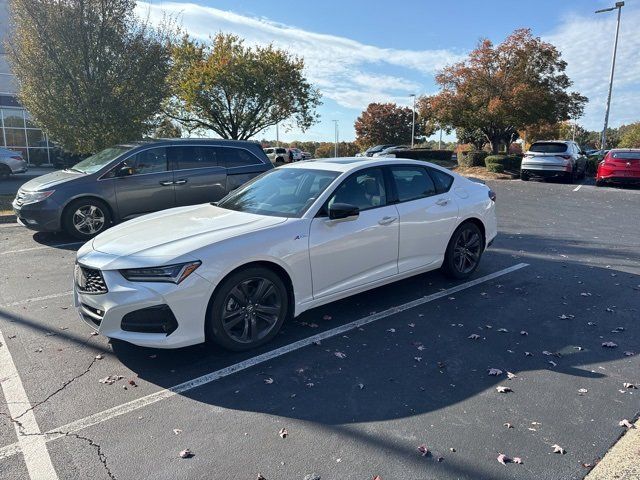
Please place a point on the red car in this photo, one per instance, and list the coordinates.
(621, 165)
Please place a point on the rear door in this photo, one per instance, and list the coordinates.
(150, 186)
(241, 165)
(199, 175)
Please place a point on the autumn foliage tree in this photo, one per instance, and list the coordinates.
(500, 89)
(236, 90)
(383, 123)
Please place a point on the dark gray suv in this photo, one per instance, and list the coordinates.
(125, 181)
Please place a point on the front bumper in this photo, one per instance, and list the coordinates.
(41, 216)
(141, 306)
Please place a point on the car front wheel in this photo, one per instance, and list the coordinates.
(248, 309)
(86, 218)
(464, 251)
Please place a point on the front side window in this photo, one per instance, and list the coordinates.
(236, 157)
(363, 189)
(153, 160)
(412, 183)
(191, 156)
(441, 180)
(283, 192)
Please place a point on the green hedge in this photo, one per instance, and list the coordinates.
(439, 157)
(503, 163)
(472, 158)
(592, 164)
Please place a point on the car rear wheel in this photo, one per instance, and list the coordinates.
(85, 218)
(248, 309)
(524, 176)
(599, 183)
(464, 251)
(5, 171)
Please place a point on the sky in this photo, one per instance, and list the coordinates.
(357, 52)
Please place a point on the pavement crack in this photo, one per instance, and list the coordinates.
(64, 385)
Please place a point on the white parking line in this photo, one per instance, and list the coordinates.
(138, 403)
(30, 249)
(578, 188)
(37, 299)
(31, 443)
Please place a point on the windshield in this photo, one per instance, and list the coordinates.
(548, 147)
(95, 162)
(283, 192)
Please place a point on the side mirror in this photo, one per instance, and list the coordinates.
(125, 171)
(343, 210)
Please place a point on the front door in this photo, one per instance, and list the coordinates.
(148, 188)
(352, 252)
(199, 174)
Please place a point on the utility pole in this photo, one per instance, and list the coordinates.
(277, 136)
(440, 141)
(335, 150)
(413, 119)
(618, 6)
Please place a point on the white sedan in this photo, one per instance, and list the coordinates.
(297, 237)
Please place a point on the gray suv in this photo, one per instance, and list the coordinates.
(125, 181)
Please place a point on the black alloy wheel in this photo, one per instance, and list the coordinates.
(464, 251)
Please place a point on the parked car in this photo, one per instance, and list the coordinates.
(295, 238)
(390, 151)
(277, 154)
(126, 181)
(620, 166)
(554, 159)
(11, 163)
(378, 148)
(296, 154)
(307, 155)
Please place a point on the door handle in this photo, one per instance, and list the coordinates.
(166, 183)
(442, 202)
(180, 182)
(387, 220)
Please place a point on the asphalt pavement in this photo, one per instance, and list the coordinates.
(397, 370)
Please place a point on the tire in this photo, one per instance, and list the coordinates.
(5, 172)
(524, 177)
(96, 215)
(599, 183)
(467, 241)
(240, 318)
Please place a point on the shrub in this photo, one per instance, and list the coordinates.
(472, 158)
(503, 163)
(592, 164)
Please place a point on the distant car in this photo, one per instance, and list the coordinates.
(306, 155)
(621, 166)
(11, 163)
(297, 154)
(378, 148)
(277, 154)
(390, 151)
(295, 238)
(554, 159)
(126, 181)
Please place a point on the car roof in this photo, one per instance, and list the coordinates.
(348, 164)
(188, 141)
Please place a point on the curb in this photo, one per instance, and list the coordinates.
(8, 219)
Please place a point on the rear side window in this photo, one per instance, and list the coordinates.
(281, 150)
(153, 160)
(185, 157)
(412, 183)
(442, 180)
(236, 157)
(548, 147)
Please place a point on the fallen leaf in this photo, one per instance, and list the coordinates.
(524, 332)
(546, 352)
(260, 477)
(503, 459)
(517, 460)
(585, 294)
(177, 431)
(451, 449)
(582, 390)
(629, 385)
(609, 344)
(327, 317)
(361, 386)
(503, 389)
(629, 354)
(417, 359)
(508, 425)
(625, 423)
(528, 354)
(268, 380)
(377, 477)
(552, 363)
(474, 336)
(38, 350)
(558, 449)
(340, 355)
(132, 383)
(410, 325)
(186, 453)
(503, 330)
(495, 371)
(566, 317)
(511, 375)
(424, 450)
(310, 384)
(93, 334)
(283, 433)
(99, 357)
(391, 330)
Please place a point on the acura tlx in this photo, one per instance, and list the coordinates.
(292, 239)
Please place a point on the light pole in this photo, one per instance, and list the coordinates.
(335, 149)
(413, 119)
(619, 6)
(277, 136)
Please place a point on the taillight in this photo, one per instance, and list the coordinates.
(492, 195)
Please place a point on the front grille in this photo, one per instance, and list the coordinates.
(89, 280)
(20, 198)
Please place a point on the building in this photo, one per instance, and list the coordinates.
(19, 133)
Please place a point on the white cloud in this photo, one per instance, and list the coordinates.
(586, 43)
(336, 65)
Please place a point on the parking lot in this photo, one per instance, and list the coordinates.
(360, 384)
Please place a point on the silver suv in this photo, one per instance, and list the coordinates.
(554, 159)
(126, 181)
(11, 163)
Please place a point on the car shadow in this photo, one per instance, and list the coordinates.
(58, 240)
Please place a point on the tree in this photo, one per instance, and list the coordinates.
(89, 71)
(238, 91)
(384, 123)
(502, 89)
(166, 128)
(630, 137)
(474, 137)
(327, 149)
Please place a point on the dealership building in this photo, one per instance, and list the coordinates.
(19, 133)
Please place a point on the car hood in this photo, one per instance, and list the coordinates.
(176, 232)
(52, 179)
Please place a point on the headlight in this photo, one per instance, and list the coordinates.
(169, 273)
(35, 197)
